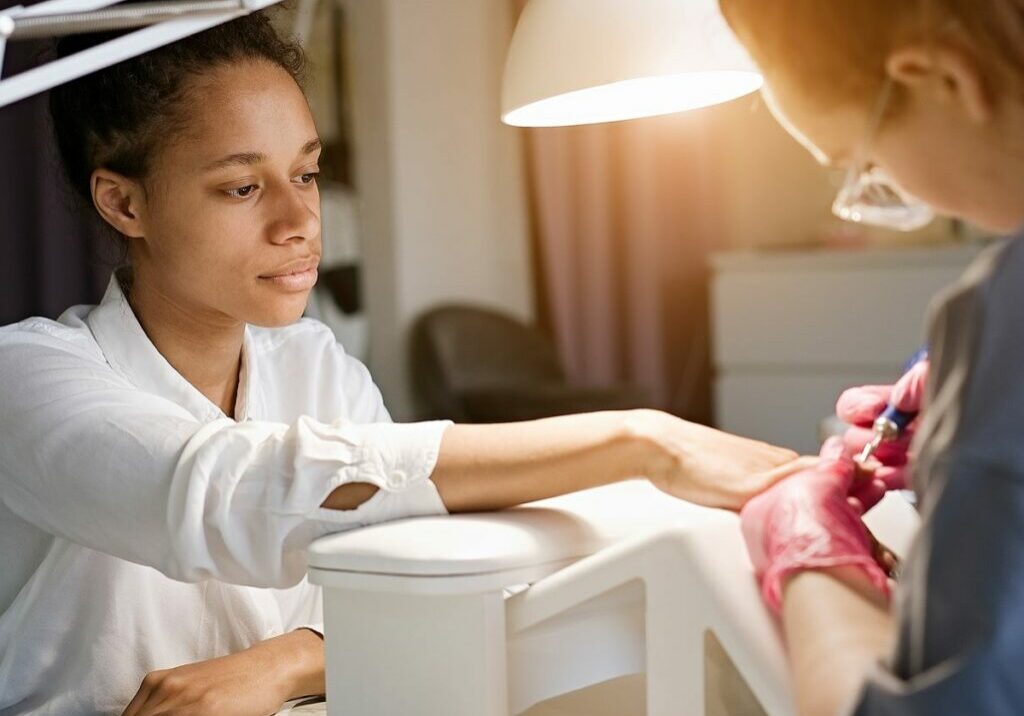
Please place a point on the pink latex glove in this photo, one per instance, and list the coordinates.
(808, 522)
(859, 407)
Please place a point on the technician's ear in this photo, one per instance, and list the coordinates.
(119, 200)
(944, 74)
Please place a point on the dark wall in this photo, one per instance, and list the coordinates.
(51, 255)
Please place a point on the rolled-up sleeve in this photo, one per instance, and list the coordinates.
(87, 457)
(398, 458)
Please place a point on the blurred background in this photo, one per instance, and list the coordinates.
(486, 273)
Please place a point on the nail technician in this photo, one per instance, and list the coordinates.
(923, 103)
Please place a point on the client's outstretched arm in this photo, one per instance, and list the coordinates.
(489, 467)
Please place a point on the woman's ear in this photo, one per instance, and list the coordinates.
(945, 75)
(119, 200)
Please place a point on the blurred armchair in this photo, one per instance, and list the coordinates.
(477, 365)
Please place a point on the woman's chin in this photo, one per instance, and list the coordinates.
(283, 313)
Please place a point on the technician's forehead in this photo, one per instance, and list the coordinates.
(829, 135)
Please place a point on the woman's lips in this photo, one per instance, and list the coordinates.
(296, 281)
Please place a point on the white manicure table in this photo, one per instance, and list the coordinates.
(431, 616)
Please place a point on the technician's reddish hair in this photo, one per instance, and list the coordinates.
(836, 49)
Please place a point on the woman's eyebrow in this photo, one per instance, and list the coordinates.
(243, 159)
(233, 160)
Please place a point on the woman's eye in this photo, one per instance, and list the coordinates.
(242, 191)
(309, 177)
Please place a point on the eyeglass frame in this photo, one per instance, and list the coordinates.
(858, 176)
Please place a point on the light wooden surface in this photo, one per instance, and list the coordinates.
(728, 695)
(618, 697)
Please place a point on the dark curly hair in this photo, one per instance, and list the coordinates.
(119, 117)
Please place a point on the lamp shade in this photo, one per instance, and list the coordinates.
(588, 61)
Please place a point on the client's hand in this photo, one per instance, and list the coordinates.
(859, 407)
(809, 522)
(254, 682)
(709, 467)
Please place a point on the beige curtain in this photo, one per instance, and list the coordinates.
(625, 217)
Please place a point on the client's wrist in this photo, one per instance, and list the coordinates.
(652, 453)
(302, 663)
(292, 664)
(622, 445)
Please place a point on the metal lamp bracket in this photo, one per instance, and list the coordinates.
(159, 23)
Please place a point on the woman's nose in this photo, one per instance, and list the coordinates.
(295, 215)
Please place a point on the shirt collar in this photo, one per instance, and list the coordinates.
(130, 353)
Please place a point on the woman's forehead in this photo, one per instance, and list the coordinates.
(244, 108)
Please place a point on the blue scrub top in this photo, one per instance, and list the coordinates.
(961, 600)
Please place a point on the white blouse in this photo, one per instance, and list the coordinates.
(141, 528)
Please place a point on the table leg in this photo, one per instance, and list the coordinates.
(430, 655)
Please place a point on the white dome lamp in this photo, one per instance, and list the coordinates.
(589, 61)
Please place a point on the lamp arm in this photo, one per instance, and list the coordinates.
(112, 18)
(158, 23)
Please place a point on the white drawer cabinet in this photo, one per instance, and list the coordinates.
(791, 330)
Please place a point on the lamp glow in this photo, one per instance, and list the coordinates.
(632, 99)
(589, 61)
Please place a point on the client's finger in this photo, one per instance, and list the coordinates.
(833, 449)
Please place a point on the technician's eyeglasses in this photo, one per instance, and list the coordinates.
(868, 196)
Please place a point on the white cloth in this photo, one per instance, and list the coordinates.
(141, 528)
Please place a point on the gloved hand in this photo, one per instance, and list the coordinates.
(808, 522)
(860, 407)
